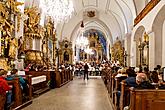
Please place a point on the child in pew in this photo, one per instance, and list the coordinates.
(23, 84)
(5, 89)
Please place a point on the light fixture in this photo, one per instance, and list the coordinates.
(59, 10)
(89, 51)
(82, 41)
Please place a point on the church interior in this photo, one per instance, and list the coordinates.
(82, 55)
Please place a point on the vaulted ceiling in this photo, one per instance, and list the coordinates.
(113, 17)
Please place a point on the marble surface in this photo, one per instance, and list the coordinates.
(76, 95)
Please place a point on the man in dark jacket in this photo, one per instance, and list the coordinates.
(86, 71)
(142, 82)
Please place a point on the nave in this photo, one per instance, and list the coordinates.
(79, 94)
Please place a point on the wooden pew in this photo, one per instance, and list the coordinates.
(2, 101)
(109, 83)
(58, 78)
(124, 96)
(63, 77)
(18, 95)
(40, 86)
(117, 87)
(113, 89)
(147, 99)
(17, 92)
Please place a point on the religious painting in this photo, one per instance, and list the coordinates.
(145, 55)
(20, 46)
(44, 48)
(50, 50)
(92, 44)
(28, 43)
(66, 56)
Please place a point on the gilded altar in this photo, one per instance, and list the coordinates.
(95, 45)
(32, 29)
(34, 57)
(65, 52)
(9, 14)
(96, 53)
(117, 52)
(49, 44)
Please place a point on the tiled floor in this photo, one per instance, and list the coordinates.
(76, 95)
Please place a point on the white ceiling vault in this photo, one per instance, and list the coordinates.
(113, 17)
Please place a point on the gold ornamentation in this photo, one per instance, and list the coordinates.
(8, 10)
(3, 64)
(32, 29)
(117, 52)
(65, 52)
(33, 20)
(13, 47)
(146, 10)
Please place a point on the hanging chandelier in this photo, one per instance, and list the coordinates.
(82, 41)
(59, 10)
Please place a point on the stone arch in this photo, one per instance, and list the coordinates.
(157, 28)
(106, 30)
(137, 39)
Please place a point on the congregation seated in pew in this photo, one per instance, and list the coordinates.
(5, 90)
(142, 82)
(14, 74)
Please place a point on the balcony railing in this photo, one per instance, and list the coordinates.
(145, 11)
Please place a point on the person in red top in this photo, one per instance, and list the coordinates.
(4, 87)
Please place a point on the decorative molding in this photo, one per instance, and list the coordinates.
(145, 11)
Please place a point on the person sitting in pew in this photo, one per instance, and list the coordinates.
(143, 82)
(23, 84)
(5, 89)
(154, 77)
(131, 79)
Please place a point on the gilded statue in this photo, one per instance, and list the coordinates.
(33, 18)
(12, 4)
(13, 47)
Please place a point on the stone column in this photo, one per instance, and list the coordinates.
(133, 54)
(151, 51)
(163, 45)
(127, 45)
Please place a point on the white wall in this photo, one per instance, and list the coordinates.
(133, 53)
(140, 4)
(151, 51)
(127, 46)
(163, 45)
(147, 22)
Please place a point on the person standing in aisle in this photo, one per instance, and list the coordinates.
(86, 71)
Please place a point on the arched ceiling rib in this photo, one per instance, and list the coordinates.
(118, 15)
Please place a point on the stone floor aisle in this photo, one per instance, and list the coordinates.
(76, 95)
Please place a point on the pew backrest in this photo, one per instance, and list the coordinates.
(147, 99)
(17, 91)
(124, 96)
(2, 101)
